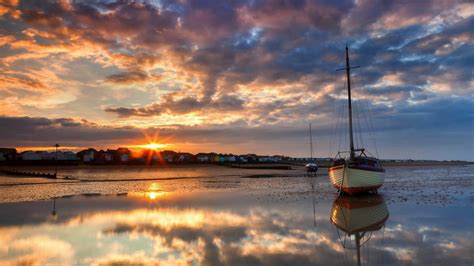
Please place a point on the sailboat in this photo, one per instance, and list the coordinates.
(312, 166)
(358, 218)
(359, 173)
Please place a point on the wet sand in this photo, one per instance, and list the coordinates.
(216, 215)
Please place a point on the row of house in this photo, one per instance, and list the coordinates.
(10, 154)
(124, 155)
(121, 155)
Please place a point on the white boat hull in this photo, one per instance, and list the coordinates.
(353, 180)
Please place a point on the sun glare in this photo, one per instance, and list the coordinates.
(150, 146)
(154, 146)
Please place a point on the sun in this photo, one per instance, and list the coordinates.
(152, 146)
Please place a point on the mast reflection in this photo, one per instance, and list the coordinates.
(356, 219)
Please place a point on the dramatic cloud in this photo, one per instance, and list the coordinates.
(131, 77)
(256, 64)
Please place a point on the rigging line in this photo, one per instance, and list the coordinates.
(355, 112)
(339, 124)
(358, 113)
(371, 126)
(341, 127)
(364, 107)
(359, 123)
(333, 121)
(342, 118)
(372, 130)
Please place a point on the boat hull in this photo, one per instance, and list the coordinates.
(355, 180)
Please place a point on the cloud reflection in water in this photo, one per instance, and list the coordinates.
(220, 231)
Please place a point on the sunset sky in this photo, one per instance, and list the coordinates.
(237, 76)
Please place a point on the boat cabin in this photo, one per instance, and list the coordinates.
(360, 162)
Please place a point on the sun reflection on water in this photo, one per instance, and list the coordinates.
(154, 192)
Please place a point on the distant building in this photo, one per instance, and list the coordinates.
(185, 157)
(230, 158)
(124, 154)
(7, 154)
(168, 156)
(243, 159)
(203, 157)
(88, 155)
(108, 156)
(30, 156)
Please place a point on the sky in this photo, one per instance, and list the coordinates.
(239, 76)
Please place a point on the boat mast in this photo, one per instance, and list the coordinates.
(348, 74)
(311, 141)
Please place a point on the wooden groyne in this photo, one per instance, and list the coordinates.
(29, 173)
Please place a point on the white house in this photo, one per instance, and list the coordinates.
(264, 159)
(124, 158)
(168, 158)
(202, 158)
(89, 156)
(30, 156)
(230, 158)
(243, 159)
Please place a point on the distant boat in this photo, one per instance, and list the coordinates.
(312, 166)
(358, 218)
(358, 173)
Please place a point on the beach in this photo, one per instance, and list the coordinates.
(217, 215)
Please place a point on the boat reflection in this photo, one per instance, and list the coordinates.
(358, 218)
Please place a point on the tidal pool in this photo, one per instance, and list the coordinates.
(244, 221)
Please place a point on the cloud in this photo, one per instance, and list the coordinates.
(224, 103)
(131, 77)
(261, 63)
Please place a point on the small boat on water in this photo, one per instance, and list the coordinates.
(358, 173)
(358, 218)
(312, 166)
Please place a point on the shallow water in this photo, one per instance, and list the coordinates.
(422, 216)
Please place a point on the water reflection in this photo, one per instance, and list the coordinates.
(153, 193)
(358, 218)
(222, 228)
(54, 214)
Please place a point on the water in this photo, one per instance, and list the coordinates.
(212, 216)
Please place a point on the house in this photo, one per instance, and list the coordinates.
(243, 159)
(68, 156)
(264, 159)
(109, 156)
(251, 158)
(124, 157)
(47, 155)
(230, 158)
(168, 156)
(185, 157)
(276, 158)
(221, 158)
(203, 157)
(7, 154)
(88, 155)
(124, 154)
(30, 156)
